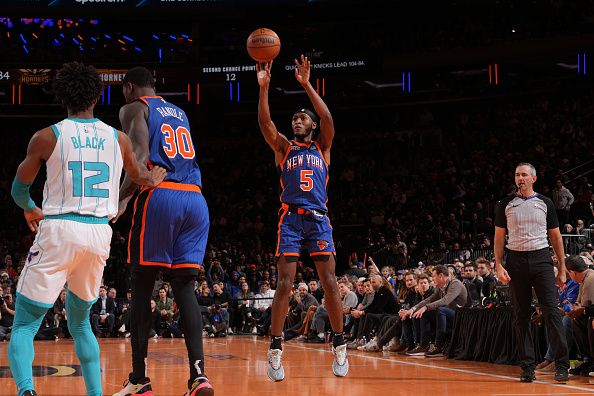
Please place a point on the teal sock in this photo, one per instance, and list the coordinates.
(27, 319)
(85, 343)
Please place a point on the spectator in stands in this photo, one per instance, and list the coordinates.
(204, 302)
(384, 303)
(263, 306)
(451, 295)
(112, 293)
(388, 273)
(425, 325)
(233, 285)
(360, 289)
(578, 242)
(218, 321)
(123, 325)
(355, 270)
(221, 303)
(6, 263)
(165, 306)
(305, 306)
(103, 314)
(155, 320)
(473, 283)
(47, 330)
(5, 279)
(563, 199)
(59, 311)
(349, 299)
(6, 316)
(578, 271)
(483, 268)
(216, 272)
(168, 289)
(406, 297)
(245, 301)
(315, 290)
(392, 326)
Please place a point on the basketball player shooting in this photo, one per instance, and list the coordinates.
(304, 165)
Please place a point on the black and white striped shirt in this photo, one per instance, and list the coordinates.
(527, 221)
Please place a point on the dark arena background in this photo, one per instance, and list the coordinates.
(434, 104)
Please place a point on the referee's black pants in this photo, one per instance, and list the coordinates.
(535, 269)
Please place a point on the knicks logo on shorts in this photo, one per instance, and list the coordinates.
(31, 255)
(322, 245)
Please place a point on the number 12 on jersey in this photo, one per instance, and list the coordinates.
(85, 187)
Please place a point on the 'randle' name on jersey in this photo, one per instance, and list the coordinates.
(170, 112)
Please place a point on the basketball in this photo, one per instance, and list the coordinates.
(263, 45)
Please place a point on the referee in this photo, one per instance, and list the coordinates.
(528, 218)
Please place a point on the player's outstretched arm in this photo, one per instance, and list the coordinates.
(277, 141)
(302, 74)
(39, 150)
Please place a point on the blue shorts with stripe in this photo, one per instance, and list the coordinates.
(169, 229)
(304, 231)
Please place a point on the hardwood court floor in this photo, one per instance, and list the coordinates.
(236, 365)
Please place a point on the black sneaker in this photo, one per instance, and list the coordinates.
(30, 393)
(317, 340)
(527, 375)
(434, 351)
(562, 375)
(583, 369)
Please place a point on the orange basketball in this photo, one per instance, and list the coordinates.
(263, 45)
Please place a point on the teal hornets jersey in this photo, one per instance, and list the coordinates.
(83, 171)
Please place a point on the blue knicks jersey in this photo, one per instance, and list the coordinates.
(304, 177)
(170, 142)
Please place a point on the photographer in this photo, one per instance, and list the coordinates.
(218, 319)
(221, 300)
(7, 313)
(578, 271)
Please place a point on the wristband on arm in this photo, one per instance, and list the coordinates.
(20, 195)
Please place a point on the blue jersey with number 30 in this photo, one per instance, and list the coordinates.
(304, 177)
(170, 142)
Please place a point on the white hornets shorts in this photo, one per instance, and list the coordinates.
(65, 251)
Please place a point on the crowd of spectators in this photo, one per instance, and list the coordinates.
(409, 190)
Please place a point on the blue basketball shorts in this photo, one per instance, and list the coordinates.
(304, 231)
(169, 229)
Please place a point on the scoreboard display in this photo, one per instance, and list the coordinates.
(164, 75)
(145, 3)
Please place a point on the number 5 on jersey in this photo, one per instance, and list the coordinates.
(177, 142)
(306, 181)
